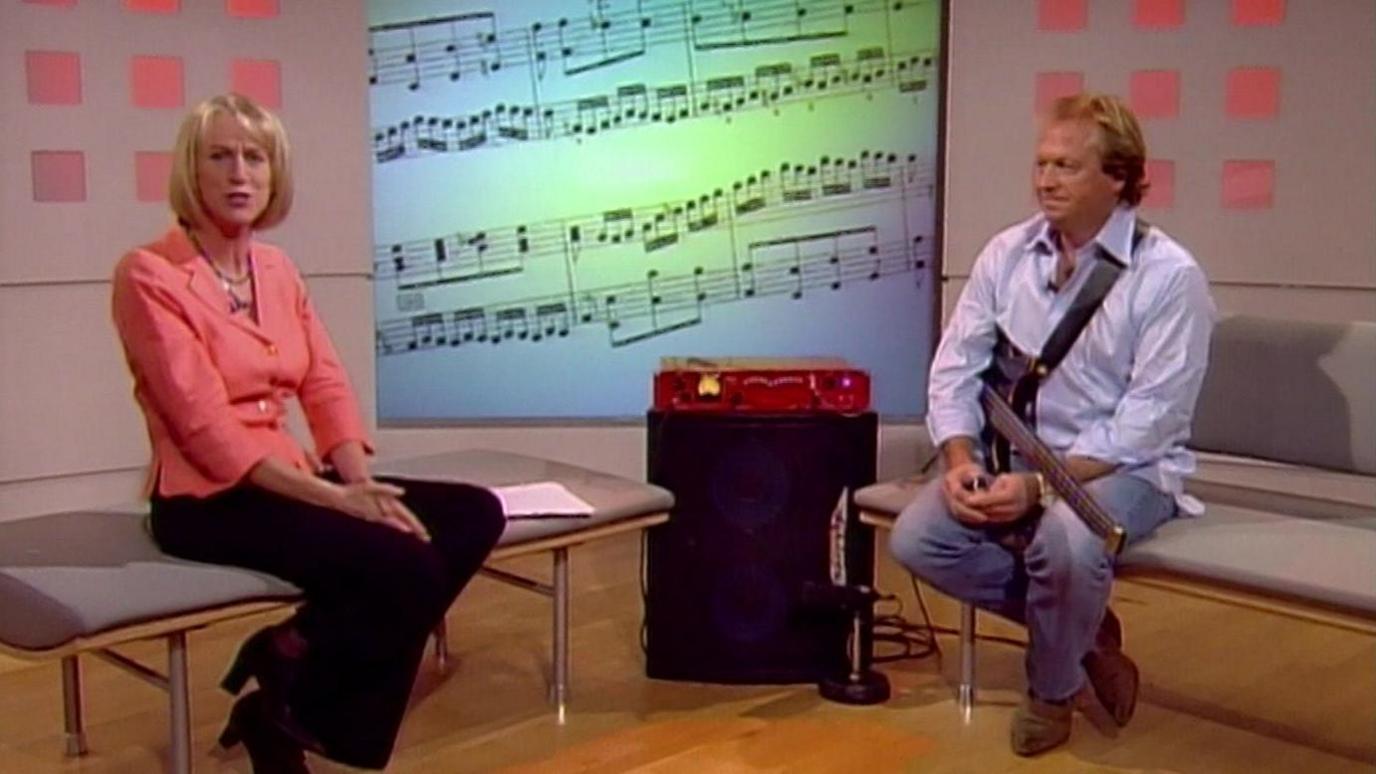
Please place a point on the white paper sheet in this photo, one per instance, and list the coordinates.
(542, 499)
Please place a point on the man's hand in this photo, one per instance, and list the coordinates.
(1010, 497)
(961, 483)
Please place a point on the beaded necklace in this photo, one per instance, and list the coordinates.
(237, 303)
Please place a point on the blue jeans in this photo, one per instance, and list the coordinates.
(1059, 587)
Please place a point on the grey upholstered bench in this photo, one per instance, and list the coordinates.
(1288, 418)
(85, 582)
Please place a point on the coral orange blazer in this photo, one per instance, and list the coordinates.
(214, 386)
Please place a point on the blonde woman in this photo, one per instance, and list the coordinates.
(219, 333)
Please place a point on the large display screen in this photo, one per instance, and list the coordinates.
(565, 191)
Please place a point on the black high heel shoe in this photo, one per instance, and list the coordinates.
(271, 749)
(260, 657)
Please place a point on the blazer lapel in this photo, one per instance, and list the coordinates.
(204, 285)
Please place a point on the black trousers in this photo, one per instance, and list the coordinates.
(372, 594)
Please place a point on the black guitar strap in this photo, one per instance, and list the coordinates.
(1024, 374)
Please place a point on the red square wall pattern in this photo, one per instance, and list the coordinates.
(1062, 15)
(1252, 92)
(1155, 93)
(1158, 14)
(1053, 86)
(156, 82)
(151, 172)
(153, 6)
(259, 79)
(1258, 13)
(58, 176)
(53, 77)
(252, 9)
(1161, 194)
(1249, 184)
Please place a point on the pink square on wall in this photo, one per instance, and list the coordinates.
(259, 79)
(1062, 15)
(252, 9)
(151, 172)
(156, 81)
(1158, 14)
(1253, 92)
(1258, 13)
(1053, 86)
(58, 176)
(1155, 93)
(153, 6)
(1161, 175)
(54, 77)
(1249, 185)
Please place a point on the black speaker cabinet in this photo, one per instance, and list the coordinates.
(731, 578)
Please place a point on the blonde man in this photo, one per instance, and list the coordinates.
(1116, 411)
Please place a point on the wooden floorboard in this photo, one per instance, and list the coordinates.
(1224, 690)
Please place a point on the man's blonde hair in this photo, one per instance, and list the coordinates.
(184, 187)
(1122, 150)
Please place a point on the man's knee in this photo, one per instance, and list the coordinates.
(917, 539)
(1065, 546)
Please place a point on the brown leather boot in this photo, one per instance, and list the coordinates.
(1039, 726)
(1111, 673)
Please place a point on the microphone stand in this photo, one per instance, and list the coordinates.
(861, 684)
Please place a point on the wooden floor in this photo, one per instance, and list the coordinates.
(1224, 690)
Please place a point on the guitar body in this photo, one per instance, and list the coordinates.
(1011, 375)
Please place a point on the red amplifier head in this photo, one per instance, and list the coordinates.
(758, 384)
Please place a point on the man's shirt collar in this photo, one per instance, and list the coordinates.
(1115, 236)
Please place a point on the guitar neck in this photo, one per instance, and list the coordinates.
(1034, 450)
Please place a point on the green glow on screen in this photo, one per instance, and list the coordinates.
(564, 192)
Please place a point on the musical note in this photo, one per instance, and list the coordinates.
(592, 113)
(771, 24)
(511, 323)
(552, 319)
(617, 38)
(724, 94)
(427, 330)
(470, 324)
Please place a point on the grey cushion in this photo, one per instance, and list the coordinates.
(1291, 391)
(1282, 488)
(1331, 563)
(68, 575)
(613, 498)
(889, 497)
(1304, 559)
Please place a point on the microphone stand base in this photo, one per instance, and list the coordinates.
(870, 687)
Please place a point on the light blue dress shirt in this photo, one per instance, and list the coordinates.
(1126, 390)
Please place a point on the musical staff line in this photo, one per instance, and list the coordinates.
(662, 303)
(823, 76)
(771, 195)
(450, 48)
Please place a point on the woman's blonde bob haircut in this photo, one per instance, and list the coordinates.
(184, 187)
(1121, 148)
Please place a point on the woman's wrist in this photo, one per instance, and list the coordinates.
(331, 495)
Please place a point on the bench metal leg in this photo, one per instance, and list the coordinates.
(560, 690)
(441, 635)
(965, 697)
(178, 689)
(72, 720)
